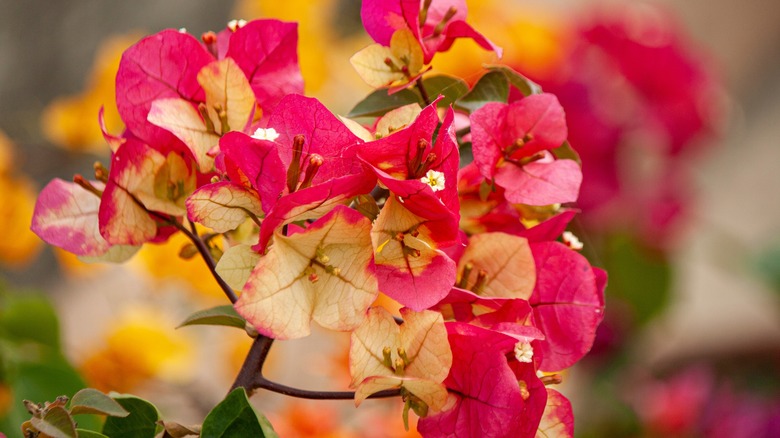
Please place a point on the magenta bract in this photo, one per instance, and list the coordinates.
(166, 65)
(568, 302)
(444, 21)
(511, 144)
(486, 397)
(402, 159)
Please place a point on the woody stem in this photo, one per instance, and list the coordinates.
(423, 92)
(251, 378)
(206, 255)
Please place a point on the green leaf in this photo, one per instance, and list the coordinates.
(450, 87)
(46, 379)
(379, 102)
(56, 422)
(767, 263)
(565, 151)
(491, 87)
(92, 401)
(30, 318)
(221, 315)
(141, 423)
(638, 275)
(235, 417)
(84, 433)
(522, 83)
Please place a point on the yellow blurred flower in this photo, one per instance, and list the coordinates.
(20, 245)
(163, 263)
(238, 348)
(6, 154)
(142, 345)
(72, 121)
(534, 36)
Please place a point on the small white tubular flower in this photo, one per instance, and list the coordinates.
(269, 134)
(234, 25)
(524, 352)
(434, 179)
(182, 30)
(571, 240)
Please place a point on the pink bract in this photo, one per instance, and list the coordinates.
(66, 215)
(511, 144)
(510, 316)
(166, 65)
(162, 65)
(486, 397)
(255, 163)
(568, 303)
(381, 18)
(339, 177)
(392, 159)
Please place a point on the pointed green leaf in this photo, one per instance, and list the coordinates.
(491, 87)
(56, 423)
(522, 83)
(450, 87)
(235, 417)
(92, 401)
(379, 102)
(221, 315)
(141, 423)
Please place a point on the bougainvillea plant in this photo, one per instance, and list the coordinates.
(319, 215)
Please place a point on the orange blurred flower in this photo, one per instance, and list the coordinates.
(163, 263)
(138, 349)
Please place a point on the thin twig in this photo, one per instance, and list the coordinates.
(206, 255)
(423, 92)
(264, 383)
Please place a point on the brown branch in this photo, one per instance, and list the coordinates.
(423, 92)
(206, 255)
(251, 378)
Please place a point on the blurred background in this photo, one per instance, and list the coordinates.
(673, 106)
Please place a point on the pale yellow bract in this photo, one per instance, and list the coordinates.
(381, 66)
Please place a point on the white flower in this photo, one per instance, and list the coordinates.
(434, 179)
(524, 352)
(269, 134)
(234, 25)
(571, 240)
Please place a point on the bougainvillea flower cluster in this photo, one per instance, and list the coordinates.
(320, 215)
